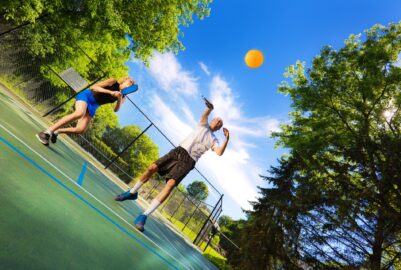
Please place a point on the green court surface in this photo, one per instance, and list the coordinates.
(48, 221)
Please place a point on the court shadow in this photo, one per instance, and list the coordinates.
(55, 151)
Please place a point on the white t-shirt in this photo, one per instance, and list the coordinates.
(199, 141)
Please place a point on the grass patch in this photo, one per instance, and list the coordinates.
(187, 231)
(210, 253)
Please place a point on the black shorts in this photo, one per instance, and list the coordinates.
(176, 164)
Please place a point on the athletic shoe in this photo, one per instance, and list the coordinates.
(126, 196)
(43, 138)
(53, 138)
(140, 221)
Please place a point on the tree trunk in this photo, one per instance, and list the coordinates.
(375, 258)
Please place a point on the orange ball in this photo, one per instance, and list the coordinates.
(254, 58)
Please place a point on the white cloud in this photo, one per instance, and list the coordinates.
(204, 68)
(235, 170)
(189, 115)
(168, 120)
(223, 99)
(169, 74)
(228, 108)
(235, 173)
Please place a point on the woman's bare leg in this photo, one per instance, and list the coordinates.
(80, 128)
(80, 111)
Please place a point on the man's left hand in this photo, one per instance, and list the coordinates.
(226, 133)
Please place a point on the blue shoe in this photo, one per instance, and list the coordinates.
(126, 196)
(140, 221)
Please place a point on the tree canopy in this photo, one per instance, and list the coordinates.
(344, 130)
(140, 155)
(198, 190)
(152, 25)
(333, 202)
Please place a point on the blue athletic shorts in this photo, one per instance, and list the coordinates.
(89, 99)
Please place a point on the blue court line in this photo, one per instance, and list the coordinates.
(86, 202)
(82, 174)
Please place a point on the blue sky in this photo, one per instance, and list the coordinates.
(247, 99)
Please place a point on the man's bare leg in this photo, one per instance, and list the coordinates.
(144, 177)
(132, 194)
(160, 198)
(163, 195)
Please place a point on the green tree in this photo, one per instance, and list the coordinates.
(270, 235)
(198, 190)
(182, 189)
(225, 222)
(64, 33)
(344, 133)
(334, 201)
(153, 25)
(140, 155)
(104, 119)
(233, 230)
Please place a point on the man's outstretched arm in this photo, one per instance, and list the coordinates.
(206, 113)
(220, 150)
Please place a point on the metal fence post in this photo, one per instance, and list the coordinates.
(119, 155)
(193, 213)
(151, 190)
(169, 197)
(22, 25)
(202, 231)
(213, 233)
(177, 208)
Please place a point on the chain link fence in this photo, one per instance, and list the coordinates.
(38, 80)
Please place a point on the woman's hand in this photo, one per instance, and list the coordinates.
(116, 94)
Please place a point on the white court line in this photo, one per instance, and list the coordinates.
(90, 194)
(167, 239)
(119, 184)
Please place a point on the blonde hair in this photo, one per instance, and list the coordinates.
(125, 79)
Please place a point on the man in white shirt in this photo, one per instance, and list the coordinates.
(177, 163)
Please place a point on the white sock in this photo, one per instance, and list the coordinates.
(153, 205)
(55, 132)
(137, 185)
(48, 132)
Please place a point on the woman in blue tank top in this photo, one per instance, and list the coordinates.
(86, 104)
